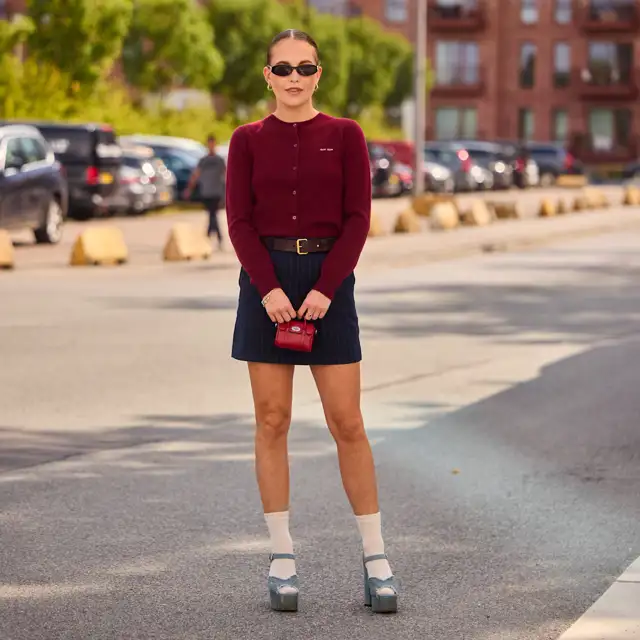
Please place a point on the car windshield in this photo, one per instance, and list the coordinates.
(482, 156)
(77, 143)
(447, 157)
(547, 153)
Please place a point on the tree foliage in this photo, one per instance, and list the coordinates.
(243, 31)
(82, 39)
(170, 42)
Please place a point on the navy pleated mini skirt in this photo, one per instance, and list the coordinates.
(338, 337)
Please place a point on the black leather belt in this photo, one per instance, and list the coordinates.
(301, 246)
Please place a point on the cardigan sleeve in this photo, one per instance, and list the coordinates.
(356, 211)
(253, 255)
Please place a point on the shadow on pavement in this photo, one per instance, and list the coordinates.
(583, 311)
(496, 524)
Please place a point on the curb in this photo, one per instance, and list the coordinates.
(615, 615)
(521, 239)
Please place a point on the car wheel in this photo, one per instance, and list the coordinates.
(547, 179)
(51, 231)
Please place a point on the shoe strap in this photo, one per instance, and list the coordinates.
(378, 556)
(281, 556)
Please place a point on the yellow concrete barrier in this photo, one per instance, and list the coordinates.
(478, 215)
(375, 227)
(580, 203)
(547, 208)
(571, 181)
(631, 196)
(596, 199)
(6, 251)
(444, 216)
(423, 204)
(186, 242)
(408, 221)
(506, 210)
(99, 245)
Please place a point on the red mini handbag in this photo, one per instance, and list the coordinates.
(296, 334)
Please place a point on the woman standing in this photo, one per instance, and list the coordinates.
(299, 204)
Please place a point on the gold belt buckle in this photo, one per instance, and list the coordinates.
(298, 249)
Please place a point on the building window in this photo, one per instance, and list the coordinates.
(453, 122)
(526, 127)
(529, 11)
(561, 64)
(560, 125)
(457, 63)
(528, 53)
(609, 63)
(563, 11)
(396, 10)
(609, 129)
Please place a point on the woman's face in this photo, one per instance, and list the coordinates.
(295, 89)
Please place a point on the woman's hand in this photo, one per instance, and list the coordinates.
(277, 305)
(314, 306)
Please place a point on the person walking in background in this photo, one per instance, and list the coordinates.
(298, 200)
(209, 175)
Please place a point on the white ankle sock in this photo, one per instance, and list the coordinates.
(281, 542)
(370, 527)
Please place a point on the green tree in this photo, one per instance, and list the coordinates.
(82, 38)
(171, 42)
(403, 82)
(330, 32)
(243, 30)
(369, 80)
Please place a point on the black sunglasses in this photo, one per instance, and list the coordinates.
(284, 70)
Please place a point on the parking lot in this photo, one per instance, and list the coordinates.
(145, 236)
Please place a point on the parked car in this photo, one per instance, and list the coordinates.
(467, 174)
(179, 155)
(525, 169)
(135, 193)
(91, 158)
(553, 160)
(385, 182)
(33, 188)
(405, 177)
(438, 178)
(493, 157)
(161, 180)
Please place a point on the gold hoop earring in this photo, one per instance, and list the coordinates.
(316, 87)
(269, 87)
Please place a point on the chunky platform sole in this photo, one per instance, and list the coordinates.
(379, 603)
(284, 601)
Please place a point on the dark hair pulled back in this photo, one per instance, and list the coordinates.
(294, 34)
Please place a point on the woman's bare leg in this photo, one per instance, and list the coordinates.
(272, 388)
(339, 389)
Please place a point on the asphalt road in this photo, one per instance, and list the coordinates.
(500, 393)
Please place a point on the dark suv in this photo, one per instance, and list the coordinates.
(91, 157)
(33, 189)
(553, 161)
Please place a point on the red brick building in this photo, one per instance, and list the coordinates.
(565, 70)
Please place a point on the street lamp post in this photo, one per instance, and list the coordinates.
(420, 94)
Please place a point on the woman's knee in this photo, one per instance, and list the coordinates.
(347, 428)
(273, 421)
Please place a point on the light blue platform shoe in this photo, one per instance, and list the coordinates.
(287, 601)
(379, 602)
